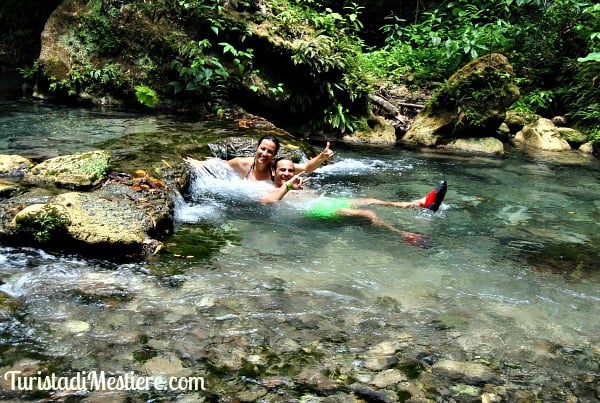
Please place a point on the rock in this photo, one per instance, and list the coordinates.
(14, 165)
(114, 219)
(55, 58)
(488, 145)
(8, 305)
(542, 135)
(381, 132)
(464, 392)
(7, 188)
(516, 120)
(313, 378)
(382, 356)
(559, 121)
(25, 367)
(587, 148)
(76, 171)
(167, 365)
(473, 101)
(503, 131)
(388, 377)
(572, 136)
(467, 372)
(76, 326)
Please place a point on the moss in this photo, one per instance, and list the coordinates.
(43, 223)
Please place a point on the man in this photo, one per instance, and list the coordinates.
(286, 179)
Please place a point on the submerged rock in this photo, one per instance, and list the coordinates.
(468, 372)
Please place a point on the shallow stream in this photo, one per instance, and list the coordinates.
(511, 273)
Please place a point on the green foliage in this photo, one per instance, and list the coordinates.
(45, 225)
(594, 136)
(537, 102)
(200, 49)
(327, 83)
(146, 96)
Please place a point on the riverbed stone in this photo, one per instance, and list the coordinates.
(382, 356)
(26, 367)
(388, 377)
(7, 188)
(14, 165)
(467, 372)
(75, 171)
(8, 305)
(166, 365)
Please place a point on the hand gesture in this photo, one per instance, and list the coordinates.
(327, 153)
(297, 181)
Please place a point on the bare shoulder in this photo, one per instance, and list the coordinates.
(240, 164)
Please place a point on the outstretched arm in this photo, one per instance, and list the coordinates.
(315, 162)
(295, 183)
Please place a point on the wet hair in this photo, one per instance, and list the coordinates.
(269, 137)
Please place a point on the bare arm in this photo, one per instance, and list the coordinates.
(241, 165)
(315, 162)
(295, 183)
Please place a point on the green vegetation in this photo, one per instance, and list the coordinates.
(315, 61)
(45, 225)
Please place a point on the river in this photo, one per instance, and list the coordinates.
(510, 276)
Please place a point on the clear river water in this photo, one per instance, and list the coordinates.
(511, 274)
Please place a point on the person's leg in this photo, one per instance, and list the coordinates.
(410, 238)
(431, 201)
(400, 204)
(372, 217)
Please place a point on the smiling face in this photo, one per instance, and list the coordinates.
(265, 152)
(284, 170)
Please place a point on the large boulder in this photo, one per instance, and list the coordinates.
(380, 132)
(116, 219)
(55, 57)
(112, 214)
(543, 135)
(472, 103)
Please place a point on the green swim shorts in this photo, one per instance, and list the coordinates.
(326, 207)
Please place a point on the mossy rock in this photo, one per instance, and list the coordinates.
(516, 120)
(41, 222)
(573, 137)
(75, 171)
(471, 103)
